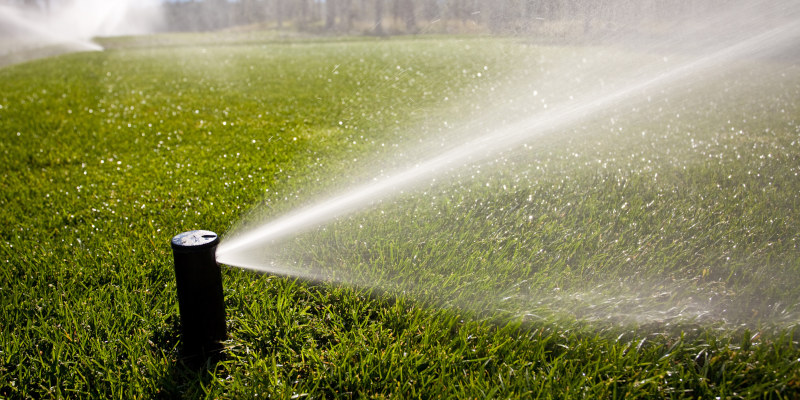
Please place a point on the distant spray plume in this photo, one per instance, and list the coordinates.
(65, 26)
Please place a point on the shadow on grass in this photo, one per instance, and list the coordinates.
(183, 377)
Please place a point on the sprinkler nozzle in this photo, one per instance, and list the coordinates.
(200, 298)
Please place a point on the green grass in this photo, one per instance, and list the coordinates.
(558, 280)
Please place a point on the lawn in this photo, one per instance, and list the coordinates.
(646, 250)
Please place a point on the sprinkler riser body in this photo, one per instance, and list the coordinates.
(200, 296)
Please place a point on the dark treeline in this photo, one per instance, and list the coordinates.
(431, 16)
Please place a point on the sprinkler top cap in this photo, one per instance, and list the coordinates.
(194, 241)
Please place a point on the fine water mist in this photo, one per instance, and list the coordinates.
(544, 123)
(576, 95)
(36, 31)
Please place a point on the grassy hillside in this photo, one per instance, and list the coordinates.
(647, 253)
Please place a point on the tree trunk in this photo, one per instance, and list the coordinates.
(379, 17)
(303, 13)
(430, 10)
(316, 11)
(409, 15)
(346, 11)
(330, 14)
(279, 13)
(589, 11)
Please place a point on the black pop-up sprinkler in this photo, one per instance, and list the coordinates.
(200, 298)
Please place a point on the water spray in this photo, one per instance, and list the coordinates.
(234, 252)
(200, 298)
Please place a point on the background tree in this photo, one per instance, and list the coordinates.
(279, 13)
(379, 17)
(303, 14)
(430, 10)
(541, 17)
(347, 13)
(406, 10)
(330, 14)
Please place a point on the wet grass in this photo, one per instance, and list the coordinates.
(654, 255)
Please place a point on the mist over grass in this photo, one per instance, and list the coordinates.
(499, 131)
(549, 270)
(667, 210)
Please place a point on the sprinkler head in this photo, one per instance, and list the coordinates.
(200, 298)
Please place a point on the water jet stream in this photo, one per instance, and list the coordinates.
(233, 250)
